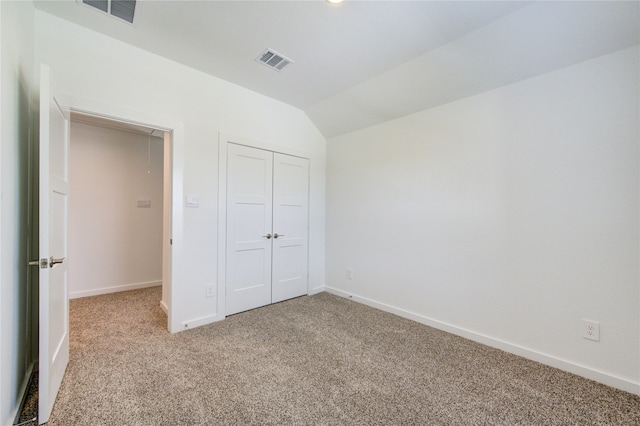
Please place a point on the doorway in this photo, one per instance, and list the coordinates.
(48, 216)
(119, 208)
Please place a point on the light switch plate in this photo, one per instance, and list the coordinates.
(193, 200)
(144, 203)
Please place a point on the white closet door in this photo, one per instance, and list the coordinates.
(249, 220)
(290, 227)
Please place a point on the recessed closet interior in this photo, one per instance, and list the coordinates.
(116, 214)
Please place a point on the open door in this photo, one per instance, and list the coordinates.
(53, 198)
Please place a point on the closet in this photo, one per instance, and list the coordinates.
(267, 227)
(117, 197)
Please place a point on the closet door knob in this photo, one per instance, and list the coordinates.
(268, 236)
(276, 235)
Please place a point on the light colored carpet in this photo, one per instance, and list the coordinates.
(319, 360)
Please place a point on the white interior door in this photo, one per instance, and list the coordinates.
(53, 199)
(249, 220)
(290, 227)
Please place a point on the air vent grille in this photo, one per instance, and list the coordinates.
(103, 5)
(273, 60)
(123, 9)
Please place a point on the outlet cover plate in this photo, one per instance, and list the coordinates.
(211, 290)
(591, 330)
(349, 273)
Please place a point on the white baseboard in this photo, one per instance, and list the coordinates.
(552, 361)
(22, 393)
(197, 322)
(113, 289)
(316, 290)
(164, 307)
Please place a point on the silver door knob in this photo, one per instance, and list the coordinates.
(276, 235)
(54, 261)
(268, 236)
(42, 263)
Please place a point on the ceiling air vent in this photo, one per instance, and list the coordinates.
(123, 9)
(273, 60)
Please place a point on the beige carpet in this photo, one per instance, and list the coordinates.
(319, 360)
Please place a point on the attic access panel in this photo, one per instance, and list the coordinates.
(123, 9)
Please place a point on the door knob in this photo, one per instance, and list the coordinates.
(42, 263)
(54, 261)
(276, 235)
(268, 236)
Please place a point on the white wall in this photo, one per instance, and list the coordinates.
(16, 78)
(113, 244)
(506, 217)
(98, 69)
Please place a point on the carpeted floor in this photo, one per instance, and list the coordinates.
(319, 360)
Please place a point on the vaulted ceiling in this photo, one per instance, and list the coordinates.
(360, 63)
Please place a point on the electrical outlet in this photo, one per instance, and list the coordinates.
(211, 290)
(591, 330)
(349, 273)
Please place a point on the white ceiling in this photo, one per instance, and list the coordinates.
(365, 62)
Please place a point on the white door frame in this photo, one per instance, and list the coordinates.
(224, 139)
(125, 115)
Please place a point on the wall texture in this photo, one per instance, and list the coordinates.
(507, 217)
(16, 118)
(114, 244)
(101, 70)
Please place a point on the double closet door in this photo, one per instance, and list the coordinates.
(267, 227)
